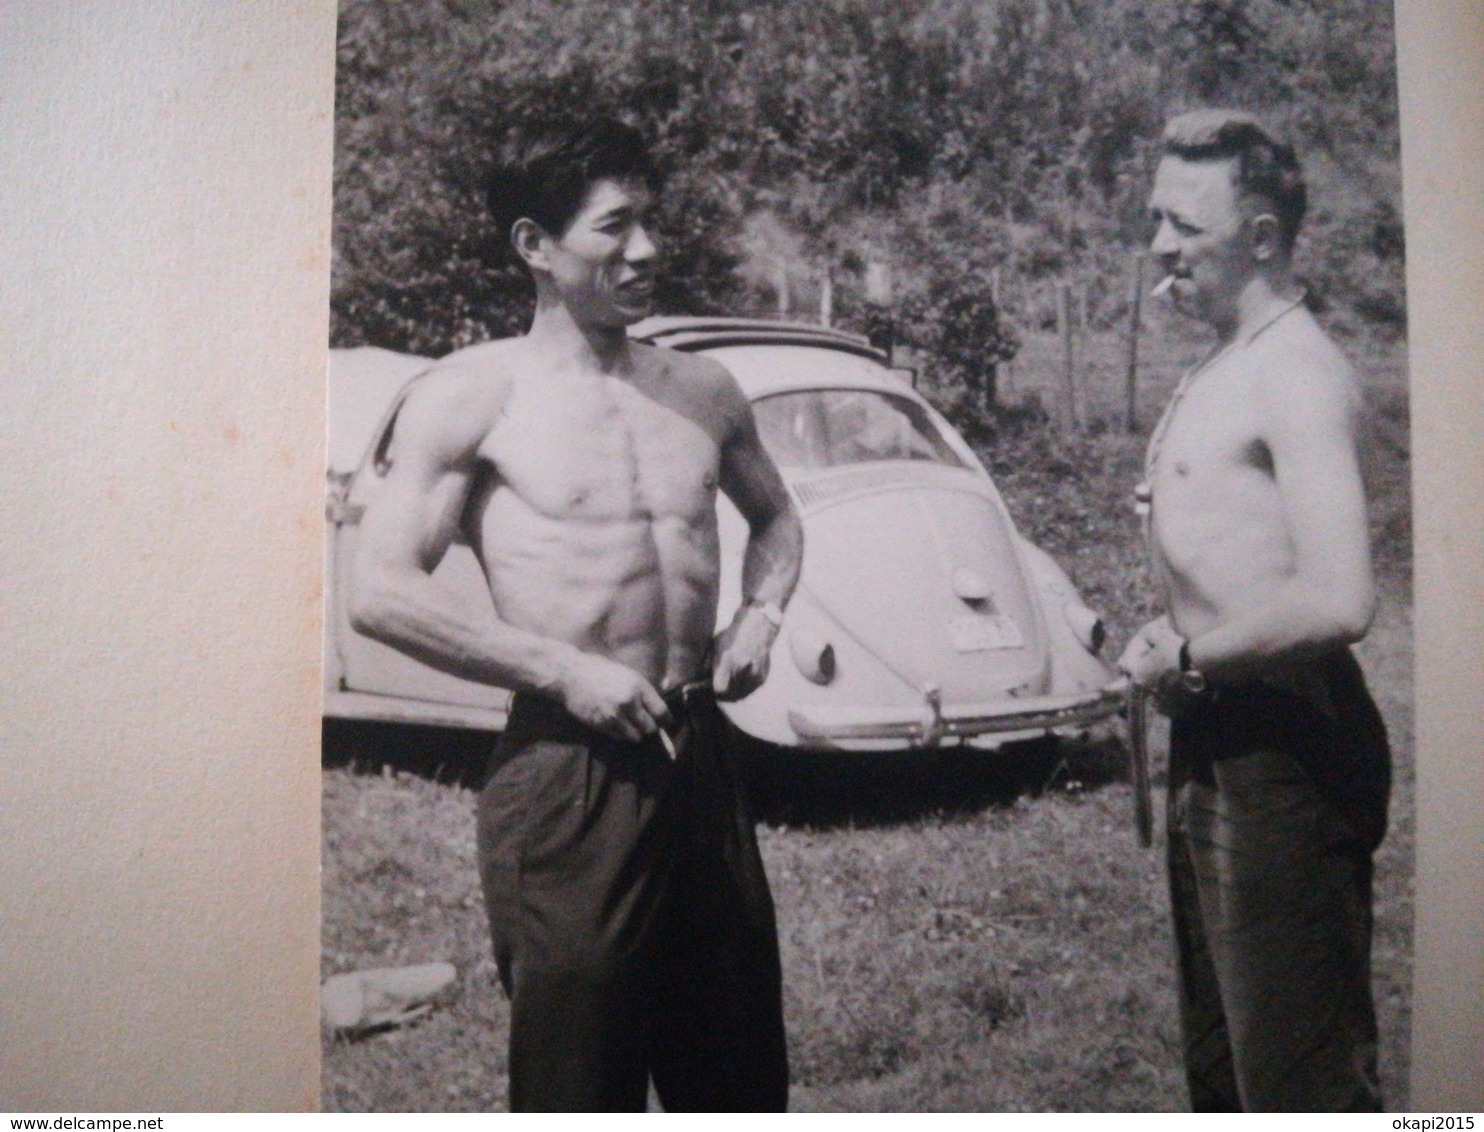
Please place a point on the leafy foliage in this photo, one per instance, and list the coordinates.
(947, 138)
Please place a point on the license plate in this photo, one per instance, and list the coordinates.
(977, 632)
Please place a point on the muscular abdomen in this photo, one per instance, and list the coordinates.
(596, 523)
(638, 590)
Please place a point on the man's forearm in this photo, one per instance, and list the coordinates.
(1299, 621)
(415, 616)
(771, 562)
(770, 570)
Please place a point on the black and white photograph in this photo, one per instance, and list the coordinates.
(868, 558)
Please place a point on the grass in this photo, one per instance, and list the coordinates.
(958, 932)
(400, 887)
(977, 961)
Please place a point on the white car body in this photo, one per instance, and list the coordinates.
(921, 617)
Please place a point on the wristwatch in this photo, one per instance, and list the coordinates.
(769, 610)
(1192, 679)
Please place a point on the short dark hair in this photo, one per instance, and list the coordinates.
(1266, 168)
(544, 170)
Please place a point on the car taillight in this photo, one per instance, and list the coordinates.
(814, 656)
(1087, 626)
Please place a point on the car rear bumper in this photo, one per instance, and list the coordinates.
(847, 726)
(393, 709)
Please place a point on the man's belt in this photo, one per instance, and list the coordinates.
(679, 699)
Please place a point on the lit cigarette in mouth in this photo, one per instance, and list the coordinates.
(1162, 286)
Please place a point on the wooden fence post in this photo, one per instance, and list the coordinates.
(1081, 335)
(1006, 373)
(1064, 331)
(880, 292)
(1136, 300)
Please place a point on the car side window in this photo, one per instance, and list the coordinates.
(826, 428)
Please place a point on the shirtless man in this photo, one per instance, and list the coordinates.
(632, 923)
(1256, 524)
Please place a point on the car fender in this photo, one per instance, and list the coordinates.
(1072, 626)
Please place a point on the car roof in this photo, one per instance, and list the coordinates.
(763, 370)
(363, 381)
(773, 356)
(690, 332)
(765, 355)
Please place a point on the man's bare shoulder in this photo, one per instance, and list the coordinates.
(1299, 375)
(455, 402)
(696, 369)
(700, 378)
(1297, 348)
(497, 361)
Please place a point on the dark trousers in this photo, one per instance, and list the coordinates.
(1277, 801)
(632, 923)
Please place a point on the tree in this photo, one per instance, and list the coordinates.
(949, 137)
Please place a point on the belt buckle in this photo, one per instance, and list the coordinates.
(678, 701)
(683, 693)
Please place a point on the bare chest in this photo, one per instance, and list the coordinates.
(602, 450)
(1213, 432)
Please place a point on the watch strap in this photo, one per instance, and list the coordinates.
(768, 609)
(1191, 677)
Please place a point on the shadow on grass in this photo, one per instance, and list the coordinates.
(828, 789)
(440, 754)
(785, 787)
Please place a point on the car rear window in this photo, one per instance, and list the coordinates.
(829, 428)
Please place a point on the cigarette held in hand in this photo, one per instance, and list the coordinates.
(668, 742)
(1162, 286)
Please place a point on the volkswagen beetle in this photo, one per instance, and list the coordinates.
(921, 618)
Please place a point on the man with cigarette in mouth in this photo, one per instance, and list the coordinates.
(1256, 525)
(632, 923)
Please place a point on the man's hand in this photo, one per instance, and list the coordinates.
(612, 698)
(741, 651)
(1152, 660)
(1153, 653)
